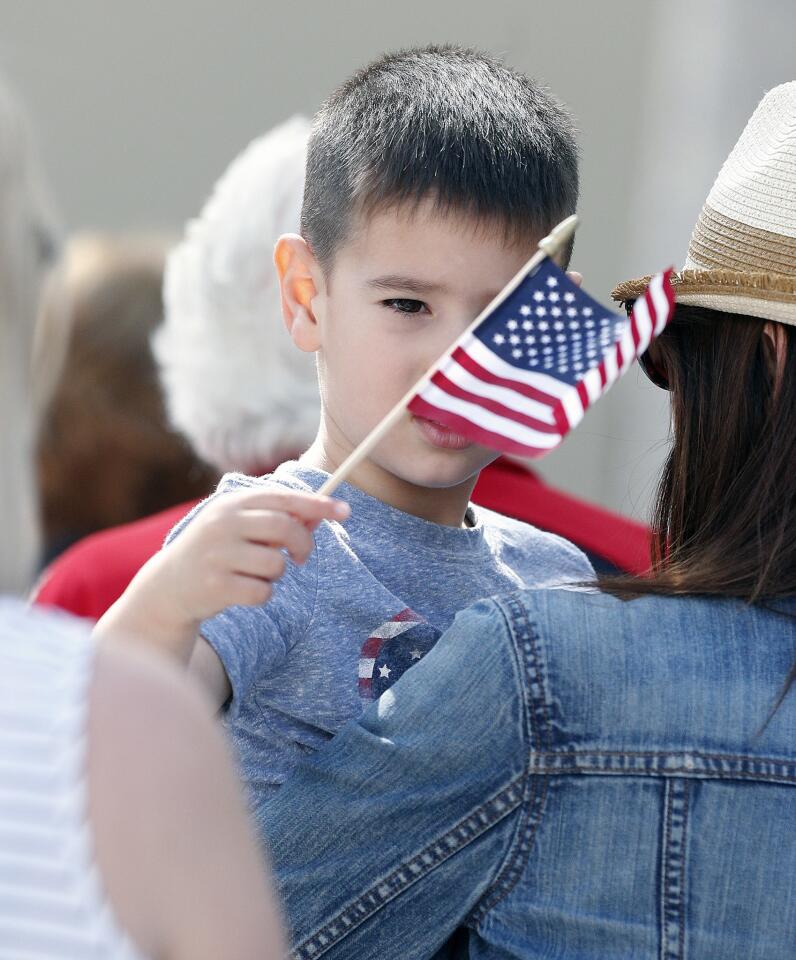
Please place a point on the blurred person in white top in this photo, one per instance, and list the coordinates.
(122, 829)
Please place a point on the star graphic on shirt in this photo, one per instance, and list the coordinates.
(552, 282)
(499, 338)
(511, 325)
(541, 311)
(384, 671)
(538, 296)
(569, 296)
(514, 339)
(525, 310)
(415, 654)
(553, 297)
(587, 311)
(527, 325)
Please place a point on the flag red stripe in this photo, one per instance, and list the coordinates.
(465, 360)
(371, 647)
(448, 386)
(635, 330)
(473, 432)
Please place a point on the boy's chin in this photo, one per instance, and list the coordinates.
(442, 472)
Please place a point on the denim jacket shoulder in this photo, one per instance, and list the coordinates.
(666, 827)
(565, 774)
(657, 686)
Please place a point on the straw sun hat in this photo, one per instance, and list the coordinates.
(742, 254)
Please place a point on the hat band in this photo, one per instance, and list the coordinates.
(720, 242)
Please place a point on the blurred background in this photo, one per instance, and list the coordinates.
(137, 108)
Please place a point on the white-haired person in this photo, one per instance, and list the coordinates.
(246, 400)
(234, 385)
(94, 862)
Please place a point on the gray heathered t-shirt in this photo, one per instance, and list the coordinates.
(371, 600)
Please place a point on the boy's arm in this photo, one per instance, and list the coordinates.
(230, 555)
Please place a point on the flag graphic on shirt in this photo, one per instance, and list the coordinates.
(391, 649)
(525, 376)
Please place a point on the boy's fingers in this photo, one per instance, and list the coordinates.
(248, 591)
(250, 560)
(273, 528)
(304, 506)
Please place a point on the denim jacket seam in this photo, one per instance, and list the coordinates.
(674, 855)
(527, 656)
(693, 764)
(380, 893)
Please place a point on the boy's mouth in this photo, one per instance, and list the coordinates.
(438, 435)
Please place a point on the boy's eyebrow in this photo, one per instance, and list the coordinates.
(397, 282)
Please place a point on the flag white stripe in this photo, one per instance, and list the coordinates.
(644, 324)
(487, 420)
(392, 628)
(611, 365)
(660, 303)
(505, 395)
(532, 378)
(627, 348)
(594, 385)
(366, 668)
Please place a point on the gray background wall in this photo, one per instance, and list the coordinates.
(139, 106)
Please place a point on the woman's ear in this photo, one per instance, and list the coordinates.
(300, 282)
(775, 342)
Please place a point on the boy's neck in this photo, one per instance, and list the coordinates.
(445, 505)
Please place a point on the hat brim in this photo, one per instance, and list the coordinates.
(769, 296)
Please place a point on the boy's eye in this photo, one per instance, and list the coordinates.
(405, 305)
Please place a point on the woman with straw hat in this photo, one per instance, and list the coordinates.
(605, 772)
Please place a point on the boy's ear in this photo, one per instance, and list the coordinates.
(300, 280)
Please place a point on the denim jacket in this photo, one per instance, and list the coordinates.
(565, 775)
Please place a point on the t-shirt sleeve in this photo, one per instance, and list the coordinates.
(571, 565)
(252, 642)
(544, 559)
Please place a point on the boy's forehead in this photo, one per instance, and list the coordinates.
(422, 239)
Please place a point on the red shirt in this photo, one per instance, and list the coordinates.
(91, 575)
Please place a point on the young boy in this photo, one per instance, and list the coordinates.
(431, 176)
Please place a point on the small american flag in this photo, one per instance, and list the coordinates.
(526, 374)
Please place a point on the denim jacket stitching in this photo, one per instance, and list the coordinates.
(525, 642)
(490, 812)
(673, 870)
(692, 764)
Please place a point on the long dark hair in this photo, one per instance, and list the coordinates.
(725, 514)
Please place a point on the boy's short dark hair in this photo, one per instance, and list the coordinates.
(442, 122)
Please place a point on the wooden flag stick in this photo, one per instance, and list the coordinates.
(551, 245)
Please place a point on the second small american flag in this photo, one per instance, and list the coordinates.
(525, 376)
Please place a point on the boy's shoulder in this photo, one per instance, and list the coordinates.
(522, 545)
(286, 475)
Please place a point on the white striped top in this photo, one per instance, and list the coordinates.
(52, 902)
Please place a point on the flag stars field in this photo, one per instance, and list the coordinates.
(521, 385)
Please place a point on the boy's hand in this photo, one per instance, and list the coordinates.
(230, 554)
